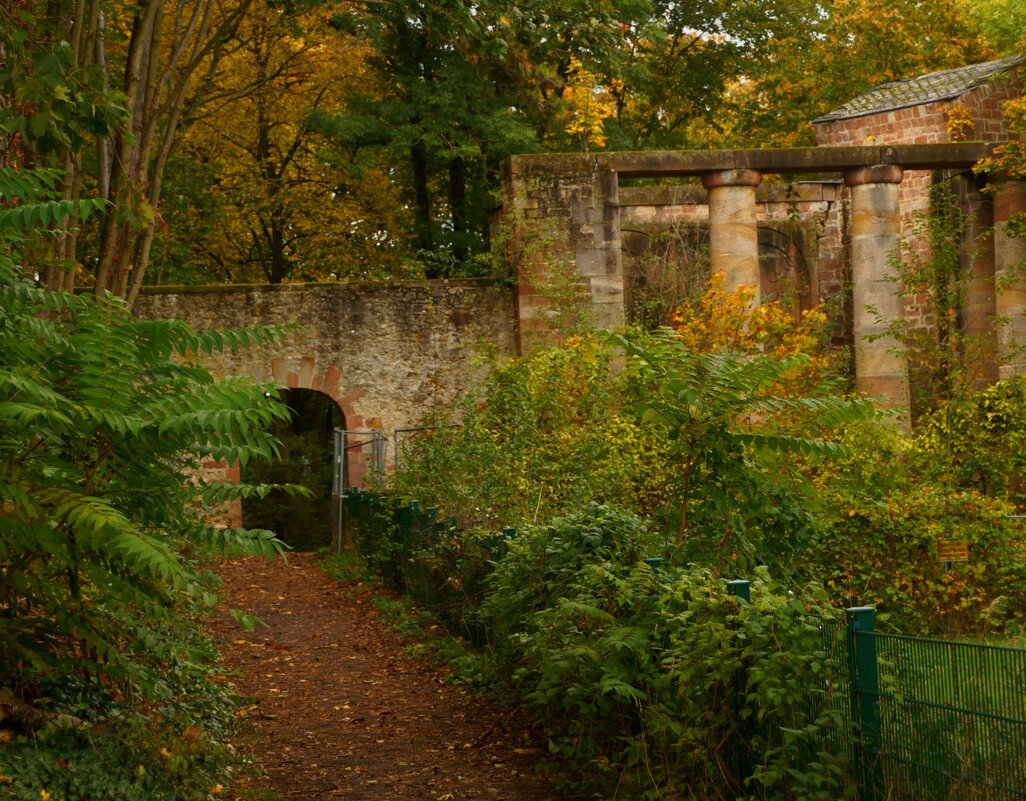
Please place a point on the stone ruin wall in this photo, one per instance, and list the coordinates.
(388, 355)
(929, 123)
(801, 237)
(562, 242)
(573, 224)
(816, 269)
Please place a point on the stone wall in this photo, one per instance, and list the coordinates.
(561, 238)
(389, 355)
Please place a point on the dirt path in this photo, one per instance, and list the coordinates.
(341, 711)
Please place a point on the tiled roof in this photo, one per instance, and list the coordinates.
(936, 86)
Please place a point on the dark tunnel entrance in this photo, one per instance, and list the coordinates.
(306, 458)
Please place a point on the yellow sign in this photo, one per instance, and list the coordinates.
(952, 551)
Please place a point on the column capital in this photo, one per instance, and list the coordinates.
(743, 177)
(875, 174)
(1009, 199)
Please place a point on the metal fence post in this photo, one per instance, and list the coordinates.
(743, 737)
(865, 699)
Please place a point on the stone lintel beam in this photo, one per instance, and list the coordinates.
(810, 191)
(877, 301)
(1009, 267)
(792, 160)
(733, 231)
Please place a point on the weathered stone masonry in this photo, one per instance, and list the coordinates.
(563, 217)
(387, 354)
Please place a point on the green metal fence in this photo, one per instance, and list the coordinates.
(891, 718)
(397, 538)
(945, 720)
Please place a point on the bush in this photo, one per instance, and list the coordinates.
(889, 511)
(976, 442)
(96, 743)
(633, 671)
(102, 418)
(697, 442)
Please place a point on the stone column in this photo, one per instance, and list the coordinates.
(1010, 272)
(598, 250)
(733, 235)
(978, 263)
(877, 301)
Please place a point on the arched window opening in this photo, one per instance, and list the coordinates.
(306, 458)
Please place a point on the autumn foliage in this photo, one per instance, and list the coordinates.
(729, 321)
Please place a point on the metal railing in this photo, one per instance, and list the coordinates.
(947, 719)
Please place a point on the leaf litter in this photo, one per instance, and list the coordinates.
(335, 708)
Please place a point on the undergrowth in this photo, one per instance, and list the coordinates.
(107, 690)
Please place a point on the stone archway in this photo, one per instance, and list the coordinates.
(306, 457)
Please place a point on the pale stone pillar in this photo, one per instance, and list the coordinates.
(1010, 271)
(875, 236)
(980, 308)
(733, 235)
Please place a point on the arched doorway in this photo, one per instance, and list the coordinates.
(307, 444)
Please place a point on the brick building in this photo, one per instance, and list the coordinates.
(918, 111)
(963, 104)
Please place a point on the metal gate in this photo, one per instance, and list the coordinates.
(346, 442)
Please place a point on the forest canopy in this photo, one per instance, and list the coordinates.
(250, 141)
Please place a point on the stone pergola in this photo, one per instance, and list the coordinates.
(563, 239)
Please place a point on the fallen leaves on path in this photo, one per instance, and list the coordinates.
(339, 710)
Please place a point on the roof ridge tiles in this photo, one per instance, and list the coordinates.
(931, 87)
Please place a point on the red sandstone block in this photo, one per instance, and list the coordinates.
(329, 384)
(306, 371)
(278, 369)
(234, 514)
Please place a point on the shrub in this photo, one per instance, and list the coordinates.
(632, 671)
(102, 417)
(888, 512)
(549, 432)
(976, 442)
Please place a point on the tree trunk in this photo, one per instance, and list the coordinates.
(458, 208)
(422, 195)
(158, 92)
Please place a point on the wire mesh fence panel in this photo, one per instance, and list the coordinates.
(808, 735)
(952, 720)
